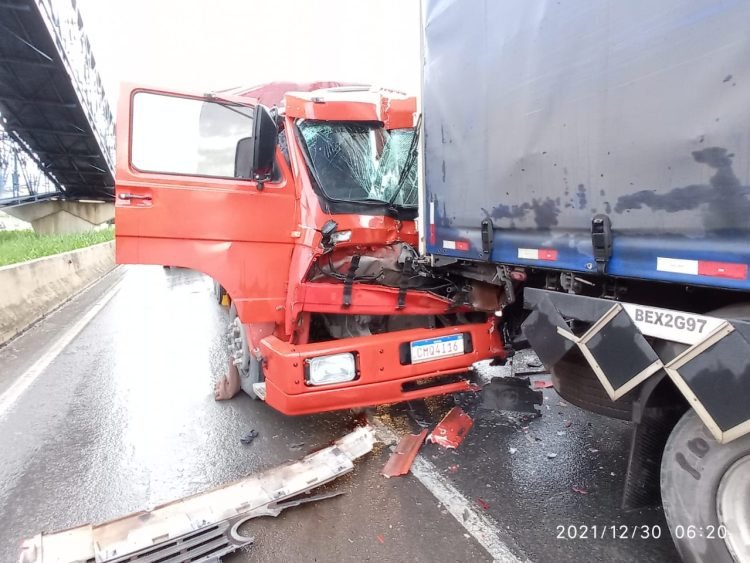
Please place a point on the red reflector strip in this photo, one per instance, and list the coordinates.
(722, 270)
(456, 245)
(433, 237)
(730, 270)
(547, 254)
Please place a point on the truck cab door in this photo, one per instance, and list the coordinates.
(179, 201)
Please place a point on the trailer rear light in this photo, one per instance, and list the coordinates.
(337, 368)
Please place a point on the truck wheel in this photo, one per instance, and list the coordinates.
(705, 484)
(248, 366)
(219, 292)
(575, 382)
(705, 488)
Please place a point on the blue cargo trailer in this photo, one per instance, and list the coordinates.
(590, 161)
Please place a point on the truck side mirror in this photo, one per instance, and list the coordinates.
(254, 156)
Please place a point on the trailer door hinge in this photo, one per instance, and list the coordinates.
(601, 241)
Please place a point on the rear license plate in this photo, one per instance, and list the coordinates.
(436, 348)
(678, 326)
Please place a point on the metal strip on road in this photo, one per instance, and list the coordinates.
(14, 392)
(482, 528)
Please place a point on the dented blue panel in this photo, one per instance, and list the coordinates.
(541, 114)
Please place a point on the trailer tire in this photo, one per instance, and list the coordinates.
(699, 478)
(249, 368)
(575, 382)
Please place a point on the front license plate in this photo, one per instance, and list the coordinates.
(435, 348)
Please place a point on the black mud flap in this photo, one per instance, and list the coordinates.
(713, 374)
(542, 328)
(615, 349)
(618, 353)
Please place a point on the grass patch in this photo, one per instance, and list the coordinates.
(20, 246)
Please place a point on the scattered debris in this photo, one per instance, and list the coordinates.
(484, 504)
(513, 450)
(561, 432)
(248, 438)
(401, 459)
(542, 384)
(453, 469)
(579, 490)
(534, 364)
(562, 404)
(380, 537)
(229, 385)
(512, 394)
(297, 446)
(183, 530)
(593, 450)
(551, 455)
(417, 411)
(450, 432)
(568, 423)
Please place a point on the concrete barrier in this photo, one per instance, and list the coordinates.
(30, 290)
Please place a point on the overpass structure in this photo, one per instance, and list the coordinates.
(56, 126)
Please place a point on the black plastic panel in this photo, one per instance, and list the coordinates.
(720, 379)
(621, 350)
(540, 328)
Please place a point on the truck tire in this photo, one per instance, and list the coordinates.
(248, 366)
(575, 382)
(706, 486)
(219, 292)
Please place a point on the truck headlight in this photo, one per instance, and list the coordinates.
(336, 368)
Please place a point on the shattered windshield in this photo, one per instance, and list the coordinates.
(361, 161)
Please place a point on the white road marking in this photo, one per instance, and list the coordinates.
(14, 392)
(484, 530)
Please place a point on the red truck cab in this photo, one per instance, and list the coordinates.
(305, 213)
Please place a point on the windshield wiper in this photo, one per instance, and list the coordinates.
(410, 160)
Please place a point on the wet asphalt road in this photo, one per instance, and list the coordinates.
(124, 419)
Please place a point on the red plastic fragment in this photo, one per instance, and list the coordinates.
(579, 490)
(401, 459)
(381, 539)
(542, 384)
(453, 469)
(484, 504)
(450, 432)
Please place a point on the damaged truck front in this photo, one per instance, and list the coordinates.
(305, 214)
(593, 163)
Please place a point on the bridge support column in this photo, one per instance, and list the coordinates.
(58, 217)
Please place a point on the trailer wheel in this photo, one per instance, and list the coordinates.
(575, 382)
(705, 488)
(248, 366)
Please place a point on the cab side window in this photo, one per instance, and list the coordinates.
(178, 135)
